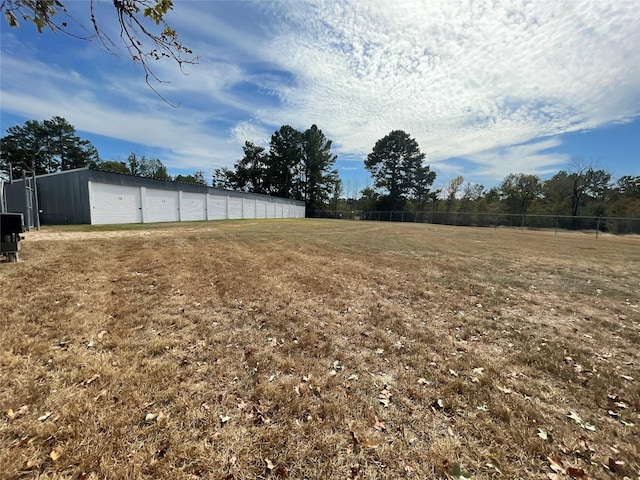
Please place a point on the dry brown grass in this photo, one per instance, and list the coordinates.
(320, 349)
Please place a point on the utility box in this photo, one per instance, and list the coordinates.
(11, 226)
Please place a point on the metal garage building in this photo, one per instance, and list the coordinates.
(86, 196)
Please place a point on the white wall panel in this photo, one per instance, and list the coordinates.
(114, 204)
(192, 206)
(261, 209)
(271, 209)
(235, 207)
(161, 206)
(217, 207)
(249, 208)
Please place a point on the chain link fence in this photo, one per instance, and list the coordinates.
(614, 225)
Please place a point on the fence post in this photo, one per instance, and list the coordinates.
(495, 222)
(598, 228)
(524, 215)
(557, 221)
(402, 217)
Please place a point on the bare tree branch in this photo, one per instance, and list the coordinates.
(140, 21)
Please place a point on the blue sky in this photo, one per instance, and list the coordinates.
(486, 88)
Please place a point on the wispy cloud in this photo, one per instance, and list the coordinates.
(466, 79)
(493, 84)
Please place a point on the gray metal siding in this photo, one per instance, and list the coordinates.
(64, 199)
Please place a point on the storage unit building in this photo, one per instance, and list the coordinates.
(86, 196)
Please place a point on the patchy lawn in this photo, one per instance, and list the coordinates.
(320, 349)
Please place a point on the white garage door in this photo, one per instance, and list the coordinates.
(192, 206)
(217, 207)
(235, 207)
(162, 206)
(249, 208)
(114, 204)
(261, 209)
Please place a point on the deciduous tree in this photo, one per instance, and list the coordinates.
(518, 191)
(147, 167)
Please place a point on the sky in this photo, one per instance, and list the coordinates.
(487, 88)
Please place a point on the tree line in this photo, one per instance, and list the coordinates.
(300, 165)
(297, 165)
(581, 190)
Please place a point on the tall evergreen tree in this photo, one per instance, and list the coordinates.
(396, 166)
(45, 147)
(249, 174)
(283, 172)
(318, 179)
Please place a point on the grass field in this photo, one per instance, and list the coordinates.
(320, 350)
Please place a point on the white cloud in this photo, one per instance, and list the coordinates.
(528, 158)
(490, 83)
(250, 132)
(465, 79)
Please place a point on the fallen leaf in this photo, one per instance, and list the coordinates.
(379, 425)
(575, 417)
(150, 417)
(224, 418)
(21, 411)
(45, 416)
(55, 454)
(627, 377)
(542, 434)
(423, 381)
(369, 443)
(270, 464)
(505, 390)
(556, 465)
(478, 370)
(453, 372)
(384, 397)
(576, 472)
